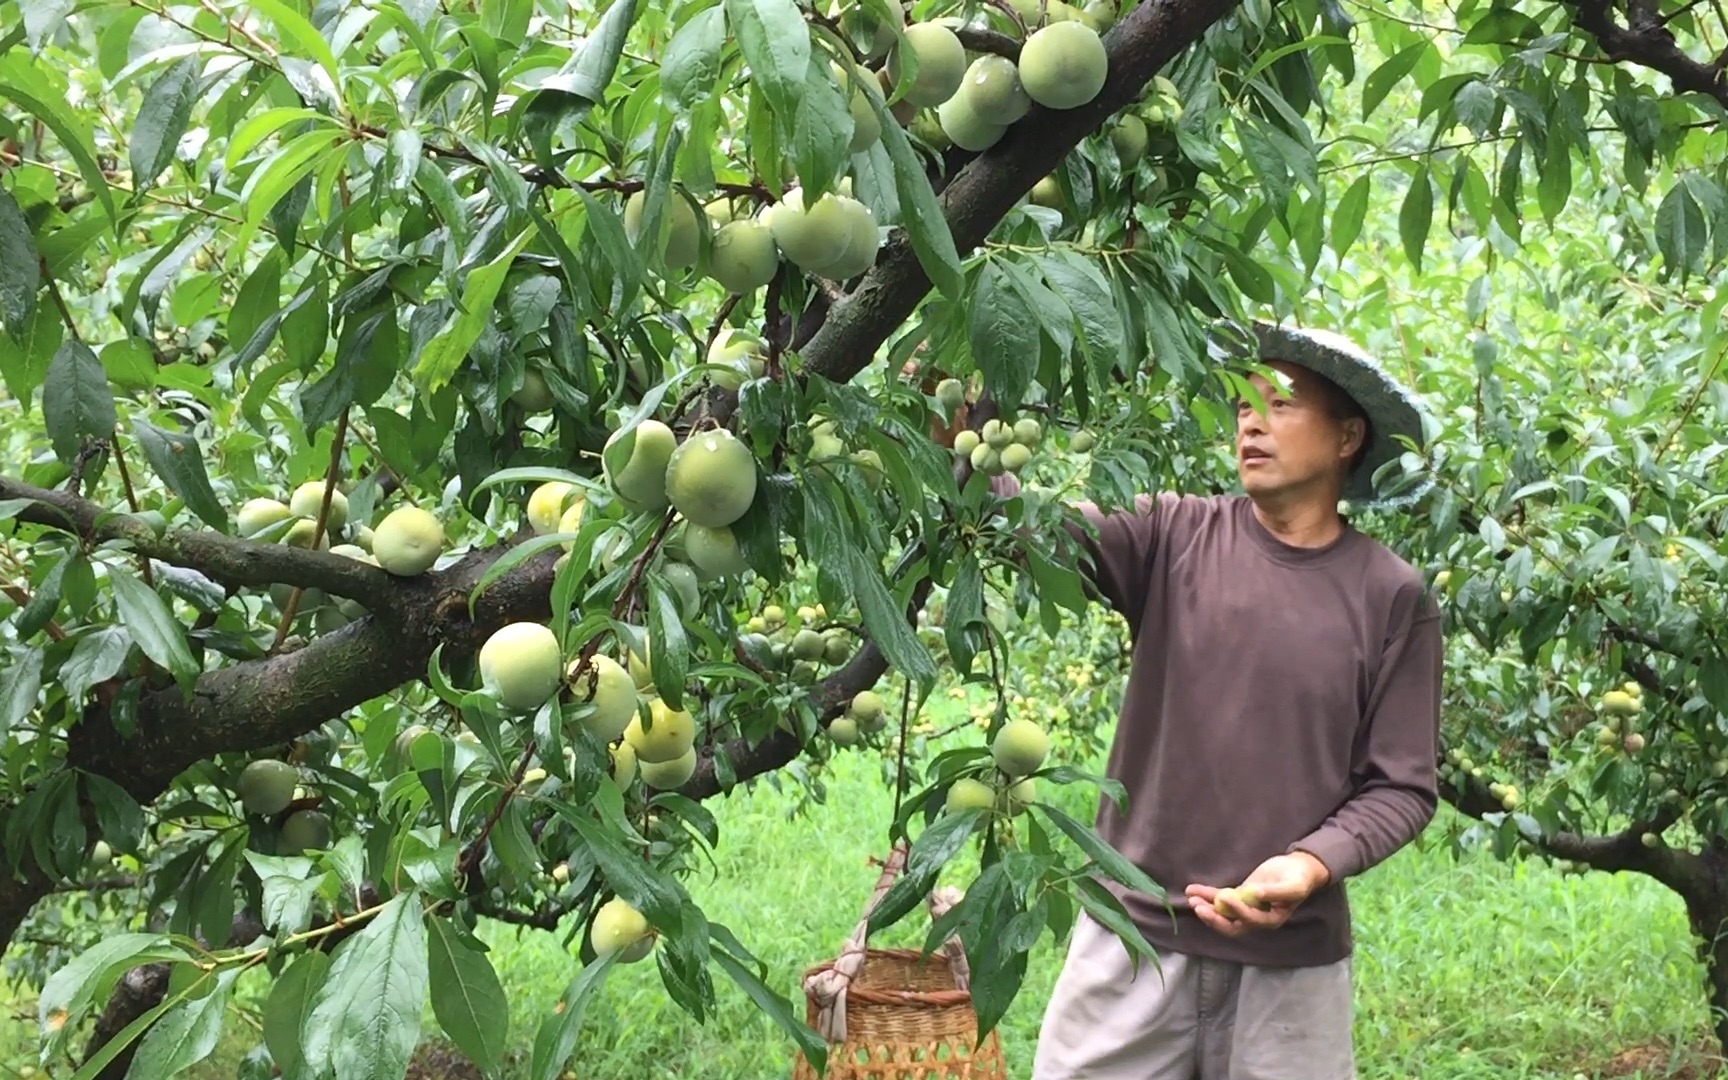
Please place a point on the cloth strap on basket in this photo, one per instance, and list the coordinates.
(828, 987)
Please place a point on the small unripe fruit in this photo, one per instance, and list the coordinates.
(966, 442)
(669, 775)
(670, 733)
(1020, 747)
(996, 434)
(1082, 442)
(711, 479)
(683, 242)
(1064, 65)
(867, 708)
(305, 830)
(1633, 743)
(987, 459)
(844, 731)
(547, 504)
(309, 497)
(408, 541)
(266, 786)
(1620, 702)
(1129, 137)
(1028, 432)
(808, 645)
(941, 63)
(969, 794)
(522, 664)
(621, 929)
(951, 393)
(742, 256)
(992, 92)
(613, 693)
(300, 534)
(774, 616)
(1016, 797)
(259, 514)
(561, 873)
(1016, 457)
(623, 765)
(964, 128)
(641, 483)
(534, 395)
(713, 552)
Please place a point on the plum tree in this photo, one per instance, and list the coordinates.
(449, 258)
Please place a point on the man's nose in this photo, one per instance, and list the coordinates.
(1251, 421)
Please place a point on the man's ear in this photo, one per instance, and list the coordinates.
(1355, 431)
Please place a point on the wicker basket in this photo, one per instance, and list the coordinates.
(897, 1014)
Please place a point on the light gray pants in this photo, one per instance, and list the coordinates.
(1201, 1019)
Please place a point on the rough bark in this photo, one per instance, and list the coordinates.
(1644, 39)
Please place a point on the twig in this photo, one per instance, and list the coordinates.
(470, 857)
(292, 608)
(132, 501)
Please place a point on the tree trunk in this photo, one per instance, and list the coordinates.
(1707, 910)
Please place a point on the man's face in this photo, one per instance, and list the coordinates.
(1295, 447)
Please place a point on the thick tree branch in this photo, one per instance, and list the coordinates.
(224, 559)
(987, 188)
(1647, 41)
(1682, 871)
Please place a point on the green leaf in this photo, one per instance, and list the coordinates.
(162, 120)
(669, 660)
(1103, 906)
(1554, 183)
(151, 625)
(556, 1039)
(1680, 229)
(304, 34)
(1004, 337)
(813, 1046)
(1382, 79)
(885, 619)
(932, 851)
(822, 130)
(590, 71)
(1415, 216)
(70, 991)
(1111, 861)
(1347, 217)
(19, 689)
(179, 461)
(644, 887)
(286, 1009)
(365, 1019)
(290, 889)
(1087, 292)
(443, 355)
(1713, 681)
(690, 67)
(77, 403)
(43, 19)
(187, 1033)
(467, 997)
(71, 134)
(921, 211)
(119, 818)
(775, 41)
(20, 268)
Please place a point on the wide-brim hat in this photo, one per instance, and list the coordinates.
(1394, 412)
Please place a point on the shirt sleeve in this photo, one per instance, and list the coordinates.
(1116, 550)
(1397, 787)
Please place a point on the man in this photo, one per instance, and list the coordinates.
(1277, 736)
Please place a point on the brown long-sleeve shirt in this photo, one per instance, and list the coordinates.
(1279, 698)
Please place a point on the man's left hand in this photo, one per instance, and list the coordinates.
(1266, 898)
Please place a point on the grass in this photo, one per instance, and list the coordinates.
(1466, 969)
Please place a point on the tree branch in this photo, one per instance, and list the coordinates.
(983, 192)
(1647, 41)
(1678, 869)
(224, 559)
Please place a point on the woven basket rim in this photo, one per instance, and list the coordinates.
(867, 995)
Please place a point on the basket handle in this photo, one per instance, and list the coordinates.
(828, 987)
